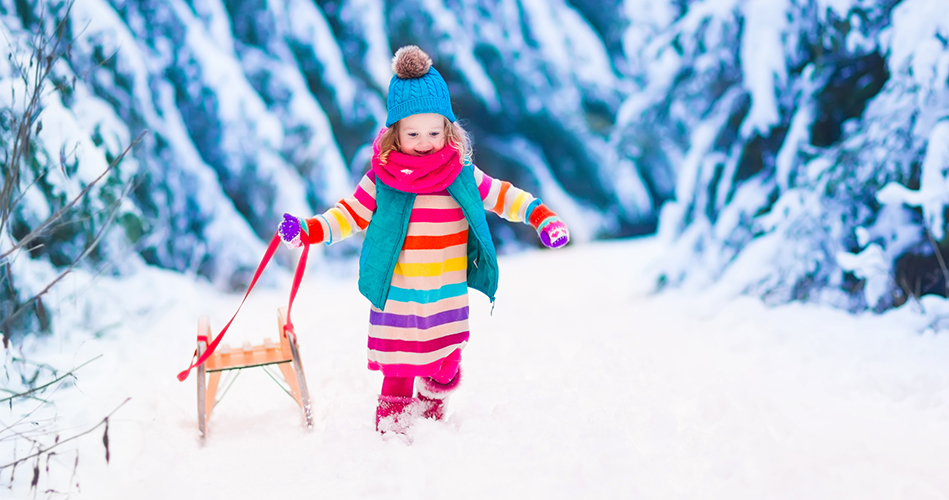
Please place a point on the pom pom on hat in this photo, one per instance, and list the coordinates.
(411, 62)
(416, 87)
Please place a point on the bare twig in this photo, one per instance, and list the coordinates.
(37, 427)
(36, 233)
(41, 451)
(46, 51)
(14, 393)
(25, 169)
(10, 427)
(40, 388)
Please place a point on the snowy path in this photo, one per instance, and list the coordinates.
(581, 385)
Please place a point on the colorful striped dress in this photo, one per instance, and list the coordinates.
(425, 318)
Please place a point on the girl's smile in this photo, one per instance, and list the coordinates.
(422, 134)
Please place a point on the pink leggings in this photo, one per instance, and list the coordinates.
(405, 386)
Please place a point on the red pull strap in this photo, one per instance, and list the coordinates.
(298, 276)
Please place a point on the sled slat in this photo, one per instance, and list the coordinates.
(248, 356)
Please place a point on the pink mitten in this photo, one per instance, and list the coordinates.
(554, 234)
(552, 231)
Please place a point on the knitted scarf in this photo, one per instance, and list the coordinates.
(417, 174)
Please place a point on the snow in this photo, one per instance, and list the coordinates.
(451, 37)
(309, 26)
(932, 195)
(369, 15)
(870, 265)
(901, 126)
(914, 21)
(694, 171)
(650, 17)
(765, 26)
(213, 15)
(840, 7)
(568, 41)
(584, 383)
(798, 135)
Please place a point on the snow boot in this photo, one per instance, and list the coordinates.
(433, 395)
(395, 413)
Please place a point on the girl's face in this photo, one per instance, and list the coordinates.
(422, 134)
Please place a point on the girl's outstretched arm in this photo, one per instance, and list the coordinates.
(349, 216)
(516, 205)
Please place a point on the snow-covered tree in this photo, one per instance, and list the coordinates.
(772, 127)
(785, 148)
(65, 176)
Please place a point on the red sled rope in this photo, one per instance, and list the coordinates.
(287, 329)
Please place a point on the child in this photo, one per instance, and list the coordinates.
(422, 206)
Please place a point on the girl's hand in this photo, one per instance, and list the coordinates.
(551, 230)
(554, 234)
(289, 231)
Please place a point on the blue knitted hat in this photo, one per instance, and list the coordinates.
(416, 87)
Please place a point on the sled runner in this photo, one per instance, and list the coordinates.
(211, 362)
(285, 355)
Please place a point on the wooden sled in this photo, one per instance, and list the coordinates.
(286, 355)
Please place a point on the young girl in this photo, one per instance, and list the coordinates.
(422, 206)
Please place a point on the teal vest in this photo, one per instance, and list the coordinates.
(390, 222)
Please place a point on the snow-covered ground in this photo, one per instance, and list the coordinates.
(583, 384)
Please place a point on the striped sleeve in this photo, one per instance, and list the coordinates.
(503, 198)
(350, 215)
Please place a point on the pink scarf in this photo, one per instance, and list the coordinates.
(417, 174)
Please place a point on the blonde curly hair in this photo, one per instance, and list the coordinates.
(455, 137)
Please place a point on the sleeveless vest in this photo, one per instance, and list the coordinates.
(390, 223)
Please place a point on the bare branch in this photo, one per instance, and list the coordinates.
(41, 451)
(46, 51)
(40, 388)
(35, 233)
(89, 248)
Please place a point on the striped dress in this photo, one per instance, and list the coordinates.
(425, 317)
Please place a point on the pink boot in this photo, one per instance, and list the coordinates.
(395, 413)
(432, 395)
